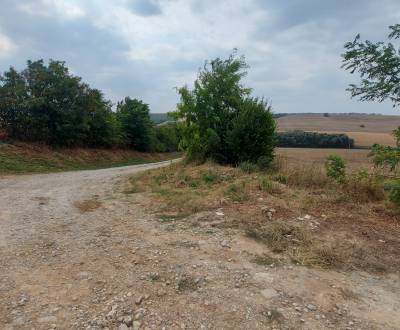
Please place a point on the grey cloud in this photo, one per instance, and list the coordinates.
(293, 47)
(146, 7)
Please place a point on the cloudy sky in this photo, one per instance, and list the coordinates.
(145, 48)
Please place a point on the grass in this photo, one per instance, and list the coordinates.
(19, 158)
(347, 239)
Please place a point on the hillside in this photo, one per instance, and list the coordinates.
(364, 129)
(33, 158)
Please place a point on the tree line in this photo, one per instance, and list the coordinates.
(301, 139)
(47, 104)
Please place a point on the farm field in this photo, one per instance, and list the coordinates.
(355, 158)
(366, 130)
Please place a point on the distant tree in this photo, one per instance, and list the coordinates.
(210, 114)
(136, 125)
(167, 137)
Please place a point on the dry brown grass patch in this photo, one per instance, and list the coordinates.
(88, 205)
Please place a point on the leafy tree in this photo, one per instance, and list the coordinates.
(136, 125)
(252, 134)
(167, 137)
(378, 64)
(379, 67)
(47, 104)
(211, 115)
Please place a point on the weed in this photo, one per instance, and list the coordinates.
(266, 185)
(266, 260)
(237, 192)
(273, 315)
(186, 283)
(279, 237)
(211, 177)
(248, 167)
(336, 168)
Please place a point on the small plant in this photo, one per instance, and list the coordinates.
(266, 185)
(281, 178)
(264, 163)
(336, 168)
(211, 177)
(393, 187)
(248, 167)
(237, 192)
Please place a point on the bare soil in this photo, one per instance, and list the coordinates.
(76, 252)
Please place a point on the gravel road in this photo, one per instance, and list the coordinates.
(78, 253)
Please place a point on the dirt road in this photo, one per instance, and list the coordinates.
(78, 253)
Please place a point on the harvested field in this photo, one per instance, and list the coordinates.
(354, 158)
(364, 129)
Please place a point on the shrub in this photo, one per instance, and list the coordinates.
(248, 167)
(219, 120)
(264, 163)
(211, 177)
(393, 186)
(237, 192)
(335, 168)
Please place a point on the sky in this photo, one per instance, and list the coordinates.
(147, 48)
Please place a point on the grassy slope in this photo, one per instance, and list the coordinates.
(28, 158)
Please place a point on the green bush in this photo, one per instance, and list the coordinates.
(264, 163)
(248, 167)
(336, 168)
(167, 137)
(393, 187)
(219, 119)
(211, 177)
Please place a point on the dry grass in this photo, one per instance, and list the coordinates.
(356, 217)
(88, 205)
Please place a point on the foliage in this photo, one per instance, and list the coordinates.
(48, 104)
(336, 168)
(378, 64)
(252, 133)
(167, 137)
(393, 186)
(379, 67)
(218, 118)
(248, 167)
(301, 139)
(136, 125)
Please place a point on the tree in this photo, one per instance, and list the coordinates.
(47, 104)
(210, 114)
(379, 67)
(252, 132)
(136, 125)
(378, 64)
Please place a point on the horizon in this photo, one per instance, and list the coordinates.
(144, 49)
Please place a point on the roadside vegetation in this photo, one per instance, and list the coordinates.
(17, 158)
(46, 104)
